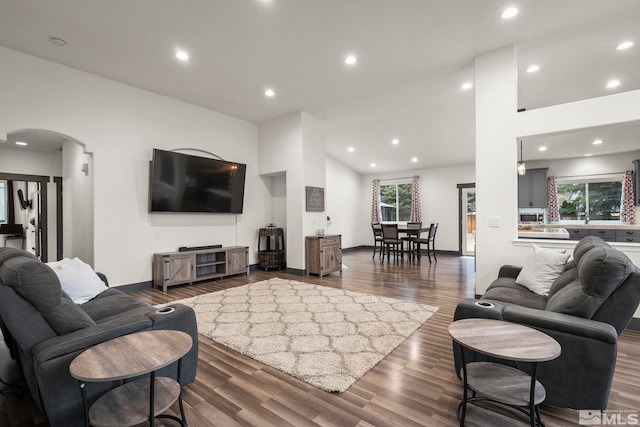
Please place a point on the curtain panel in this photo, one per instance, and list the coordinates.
(553, 211)
(627, 205)
(416, 214)
(376, 213)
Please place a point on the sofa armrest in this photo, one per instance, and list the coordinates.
(509, 271)
(82, 339)
(563, 323)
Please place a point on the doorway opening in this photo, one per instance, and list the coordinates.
(467, 216)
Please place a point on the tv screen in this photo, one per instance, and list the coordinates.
(185, 183)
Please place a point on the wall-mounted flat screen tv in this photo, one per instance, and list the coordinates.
(186, 183)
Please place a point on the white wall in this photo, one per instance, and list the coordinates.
(344, 203)
(281, 154)
(438, 200)
(580, 166)
(314, 155)
(29, 162)
(121, 125)
(77, 202)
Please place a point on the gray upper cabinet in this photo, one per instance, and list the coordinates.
(532, 189)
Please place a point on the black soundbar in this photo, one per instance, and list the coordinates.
(197, 248)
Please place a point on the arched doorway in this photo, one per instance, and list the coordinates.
(44, 163)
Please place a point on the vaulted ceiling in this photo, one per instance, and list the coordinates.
(412, 58)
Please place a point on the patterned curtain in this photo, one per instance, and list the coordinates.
(416, 215)
(376, 214)
(553, 213)
(627, 207)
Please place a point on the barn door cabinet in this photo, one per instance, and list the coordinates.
(323, 254)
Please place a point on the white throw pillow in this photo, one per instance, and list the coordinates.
(542, 267)
(78, 279)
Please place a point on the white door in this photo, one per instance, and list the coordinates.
(468, 221)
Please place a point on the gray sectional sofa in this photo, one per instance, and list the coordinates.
(45, 331)
(588, 306)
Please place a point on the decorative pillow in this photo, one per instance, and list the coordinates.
(78, 280)
(541, 269)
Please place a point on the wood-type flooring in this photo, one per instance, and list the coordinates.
(414, 386)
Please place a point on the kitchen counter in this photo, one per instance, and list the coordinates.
(543, 233)
(617, 232)
(591, 226)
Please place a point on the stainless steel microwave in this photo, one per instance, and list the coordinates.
(532, 218)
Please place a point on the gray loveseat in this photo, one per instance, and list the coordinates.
(45, 331)
(588, 307)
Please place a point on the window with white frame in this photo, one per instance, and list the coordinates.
(395, 202)
(595, 198)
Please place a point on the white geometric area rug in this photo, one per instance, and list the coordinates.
(324, 336)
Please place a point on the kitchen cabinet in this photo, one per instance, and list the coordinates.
(629, 236)
(323, 254)
(532, 189)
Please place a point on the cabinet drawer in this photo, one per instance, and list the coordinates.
(628, 236)
(606, 235)
(577, 233)
(330, 241)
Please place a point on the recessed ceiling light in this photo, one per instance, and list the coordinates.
(58, 41)
(611, 84)
(269, 93)
(351, 149)
(509, 12)
(588, 155)
(20, 143)
(395, 141)
(543, 148)
(182, 55)
(373, 165)
(533, 68)
(625, 45)
(414, 159)
(466, 86)
(350, 60)
(597, 142)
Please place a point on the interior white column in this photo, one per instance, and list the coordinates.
(496, 184)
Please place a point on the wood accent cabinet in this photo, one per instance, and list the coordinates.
(323, 254)
(176, 268)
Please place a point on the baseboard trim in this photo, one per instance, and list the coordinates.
(141, 286)
(634, 325)
(296, 271)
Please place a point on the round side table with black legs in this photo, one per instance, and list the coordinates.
(502, 384)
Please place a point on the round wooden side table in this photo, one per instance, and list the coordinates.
(127, 357)
(489, 381)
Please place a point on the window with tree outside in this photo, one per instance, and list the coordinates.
(593, 200)
(395, 202)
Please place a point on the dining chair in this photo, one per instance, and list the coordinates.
(430, 241)
(391, 240)
(411, 236)
(378, 244)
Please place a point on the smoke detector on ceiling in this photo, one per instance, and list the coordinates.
(58, 41)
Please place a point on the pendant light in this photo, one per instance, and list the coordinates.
(521, 167)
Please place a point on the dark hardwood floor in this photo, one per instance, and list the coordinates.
(414, 386)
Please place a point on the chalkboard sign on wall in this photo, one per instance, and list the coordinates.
(315, 199)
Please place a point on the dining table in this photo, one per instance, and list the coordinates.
(412, 232)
